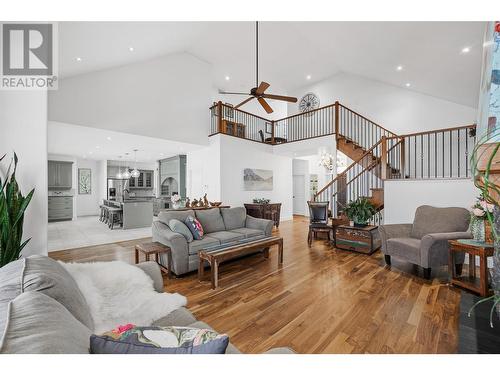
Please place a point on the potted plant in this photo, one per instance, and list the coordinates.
(12, 207)
(360, 211)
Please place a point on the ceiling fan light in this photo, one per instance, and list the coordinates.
(135, 173)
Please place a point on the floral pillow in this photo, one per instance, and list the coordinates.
(130, 339)
(195, 227)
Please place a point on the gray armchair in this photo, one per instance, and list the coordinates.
(425, 242)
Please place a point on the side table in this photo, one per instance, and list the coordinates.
(471, 282)
(156, 248)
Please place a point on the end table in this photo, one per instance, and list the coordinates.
(156, 248)
(471, 282)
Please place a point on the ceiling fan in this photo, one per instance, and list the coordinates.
(258, 92)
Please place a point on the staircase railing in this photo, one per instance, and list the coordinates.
(355, 181)
(359, 129)
(443, 153)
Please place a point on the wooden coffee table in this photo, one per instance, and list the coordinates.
(218, 254)
(155, 248)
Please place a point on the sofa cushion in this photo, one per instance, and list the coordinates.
(234, 217)
(195, 246)
(178, 226)
(231, 349)
(38, 324)
(179, 317)
(226, 236)
(249, 232)
(130, 339)
(430, 219)
(42, 274)
(211, 220)
(406, 248)
(181, 215)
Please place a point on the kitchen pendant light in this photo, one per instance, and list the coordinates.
(135, 173)
(119, 174)
(126, 174)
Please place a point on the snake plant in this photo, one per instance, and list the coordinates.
(12, 207)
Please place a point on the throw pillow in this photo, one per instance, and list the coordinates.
(130, 339)
(195, 227)
(178, 226)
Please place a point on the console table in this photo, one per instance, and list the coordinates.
(269, 211)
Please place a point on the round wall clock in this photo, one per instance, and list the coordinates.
(308, 102)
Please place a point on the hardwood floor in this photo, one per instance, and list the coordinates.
(321, 300)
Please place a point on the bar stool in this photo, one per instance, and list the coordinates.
(115, 216)
(103, 212)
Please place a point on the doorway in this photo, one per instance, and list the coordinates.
(299, 196)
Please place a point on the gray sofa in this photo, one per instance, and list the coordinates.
(220, 226)
(42, 310)
(425, 241)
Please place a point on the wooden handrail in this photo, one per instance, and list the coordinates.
(367, 119)
(471, 126)
(349, 168)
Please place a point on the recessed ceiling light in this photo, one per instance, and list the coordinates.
(466, 50)
(108, 138)
(78, 59)
(407, 84)
(131, 49)
(308, 76)
(399, 68)
(97, 147)
(227, 78)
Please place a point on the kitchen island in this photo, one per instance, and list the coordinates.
(137, 213)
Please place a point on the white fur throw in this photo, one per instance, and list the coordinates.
(119, 293)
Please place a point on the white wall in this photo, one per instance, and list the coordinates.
(204, 171)
(236, 155)
(401, 198)
(23, 129)
(167, 97)
(397, 109)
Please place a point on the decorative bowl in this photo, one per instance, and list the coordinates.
(215, 204)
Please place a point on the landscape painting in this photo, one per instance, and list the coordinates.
(257, 179)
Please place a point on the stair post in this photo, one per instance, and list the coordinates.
(383, 158)
(337, 117)
(272, 132)
(402, 161)
(219, 116)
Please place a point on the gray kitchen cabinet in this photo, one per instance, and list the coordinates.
(60, 208)
(144, 181)
(172, 176)
(60, 174)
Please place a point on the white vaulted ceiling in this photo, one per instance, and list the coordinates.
(430, 52)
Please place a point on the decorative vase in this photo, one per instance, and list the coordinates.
(477, 229)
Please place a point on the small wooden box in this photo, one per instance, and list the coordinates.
(364, 240)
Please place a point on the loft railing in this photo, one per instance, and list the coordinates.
(443, 153)
(358, 180)
(324, 121)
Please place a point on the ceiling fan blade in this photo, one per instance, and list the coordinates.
(262, 87)
(264, 104)
(243, 102)
(290, 99)
(233, 93)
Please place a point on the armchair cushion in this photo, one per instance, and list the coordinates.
(407, 248)
(430, 219)
(388, 231)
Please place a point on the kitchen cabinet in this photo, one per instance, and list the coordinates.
(60, 174)
(60, 208)
(144, 181)
(172, 176)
